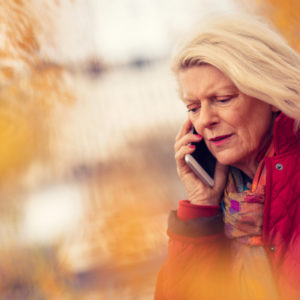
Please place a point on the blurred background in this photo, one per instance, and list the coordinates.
(88, 116)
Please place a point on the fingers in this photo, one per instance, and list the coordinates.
(183, 146)
(182, 151)
(197, 191)
(186, 140)
(185, 128)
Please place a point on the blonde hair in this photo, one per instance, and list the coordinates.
(252, 54)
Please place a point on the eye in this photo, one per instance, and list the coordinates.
(193, 109)
(224, 99)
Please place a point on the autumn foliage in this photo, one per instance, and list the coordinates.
(285, 15)
(30, 87)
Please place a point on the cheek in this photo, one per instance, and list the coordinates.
(242, 128)
(253, 134)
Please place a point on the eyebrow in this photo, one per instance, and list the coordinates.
(221, 89)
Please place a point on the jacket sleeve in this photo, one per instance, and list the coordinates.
(197, 251)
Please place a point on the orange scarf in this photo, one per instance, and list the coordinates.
(244, 204)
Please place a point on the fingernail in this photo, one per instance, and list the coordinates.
(198, 135)
(192, 146)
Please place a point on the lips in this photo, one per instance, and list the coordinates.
(220, 138)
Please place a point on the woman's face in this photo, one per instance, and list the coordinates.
(234, 126)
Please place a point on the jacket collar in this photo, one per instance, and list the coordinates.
(285, 137)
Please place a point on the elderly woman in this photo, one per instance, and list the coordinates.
(239, 239)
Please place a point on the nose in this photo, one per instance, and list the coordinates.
(207, 118)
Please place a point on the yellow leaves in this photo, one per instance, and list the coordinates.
(128, 233)
(16, 141)
(285, 15)
(18, 29)
(8, 72)
(19, 130)
(29, 88)
(49, 85)
(129, 204)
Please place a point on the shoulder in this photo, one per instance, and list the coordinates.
(285, 136)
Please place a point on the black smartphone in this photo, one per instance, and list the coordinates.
(202, 162)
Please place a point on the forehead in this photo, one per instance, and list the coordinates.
(202, 81)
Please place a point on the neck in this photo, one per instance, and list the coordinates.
(249, 169)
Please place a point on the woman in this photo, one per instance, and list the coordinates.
(240, 239)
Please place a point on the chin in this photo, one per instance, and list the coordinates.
(227, 160)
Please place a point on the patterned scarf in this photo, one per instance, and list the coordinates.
(244, 204)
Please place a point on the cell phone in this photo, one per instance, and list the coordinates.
(202, 162)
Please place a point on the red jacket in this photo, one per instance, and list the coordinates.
(198, 260)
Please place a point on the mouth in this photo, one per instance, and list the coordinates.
(220, 140)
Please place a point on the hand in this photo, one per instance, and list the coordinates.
(197, 191)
